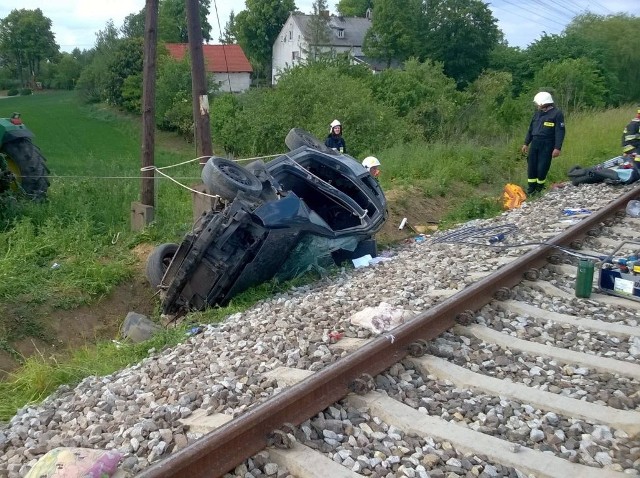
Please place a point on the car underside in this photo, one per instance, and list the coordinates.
(308, 208)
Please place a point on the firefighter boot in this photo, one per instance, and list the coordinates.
(532, 188)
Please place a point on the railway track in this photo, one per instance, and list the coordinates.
(481, 382)
(503, 373)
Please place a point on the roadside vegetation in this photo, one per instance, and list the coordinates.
(448, 126)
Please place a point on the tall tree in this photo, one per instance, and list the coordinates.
(227, 37)
(26, 40)
(461, 34)
(133, 25)
(354, 8)
(616, 36)
(93, 80)
(395, 30)
(172, 21)
(318, 29)
(575, 83)
(512, 59)
(66, 72)
(256, 30)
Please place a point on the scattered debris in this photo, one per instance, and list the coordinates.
(382, 318)
(363, 261)
(575, 211)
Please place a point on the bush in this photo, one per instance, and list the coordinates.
(25, 92)
(306, 97)
(7, 83)
(13, 92)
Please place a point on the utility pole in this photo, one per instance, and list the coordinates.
(198, 82)
(142, 212)
(200, 203)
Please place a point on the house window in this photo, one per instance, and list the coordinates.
(340, 33)
(295, 55)
(291, 35)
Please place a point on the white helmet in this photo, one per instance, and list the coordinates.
(370, 161)
(333, 124)
(543, 98)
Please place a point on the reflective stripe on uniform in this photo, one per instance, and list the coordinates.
(549, 123)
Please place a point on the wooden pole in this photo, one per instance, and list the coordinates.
(147, 196)
(198, 82)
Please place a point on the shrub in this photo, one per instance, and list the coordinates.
(25, 92)
(13, 92)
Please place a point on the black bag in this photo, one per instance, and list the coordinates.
(579, 175)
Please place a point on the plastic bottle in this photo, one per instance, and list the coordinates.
(584, 279)
(633, 208)
(497, 238)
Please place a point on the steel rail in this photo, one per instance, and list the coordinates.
(223, 449)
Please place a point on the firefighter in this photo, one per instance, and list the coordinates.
(373, 165)
(631, 134)
(543, 141)
(334, 139)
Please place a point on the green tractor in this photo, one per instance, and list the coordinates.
(23, 169)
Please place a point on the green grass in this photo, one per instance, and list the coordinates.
(84, 227)
(94, 157)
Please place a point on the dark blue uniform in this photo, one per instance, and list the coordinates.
(336, 141)
(631, 135)
(546, 133)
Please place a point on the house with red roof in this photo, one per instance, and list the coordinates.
(227, 63)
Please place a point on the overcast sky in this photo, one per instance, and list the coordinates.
(75, 22)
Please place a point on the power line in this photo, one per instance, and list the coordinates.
(538, 13)
(564, 13)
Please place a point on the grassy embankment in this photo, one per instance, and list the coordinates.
(94, 157)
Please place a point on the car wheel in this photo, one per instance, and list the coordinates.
(298, 137)
(226, 178)
(159, 261)
(29, 167)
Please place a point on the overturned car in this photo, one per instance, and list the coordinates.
(310, 207)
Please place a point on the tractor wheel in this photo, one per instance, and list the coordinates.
(28, 166)
(159, 261)
(226, 178)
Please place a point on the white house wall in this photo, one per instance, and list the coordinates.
(291, 48)
(239, 81)
(289, 41)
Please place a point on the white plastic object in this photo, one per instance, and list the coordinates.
(363, 261)
(633, 208)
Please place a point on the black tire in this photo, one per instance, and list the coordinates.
(226, 178)
(29, 167)
(158, 262)
(298, 137)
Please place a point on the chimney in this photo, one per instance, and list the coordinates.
(324, 14)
